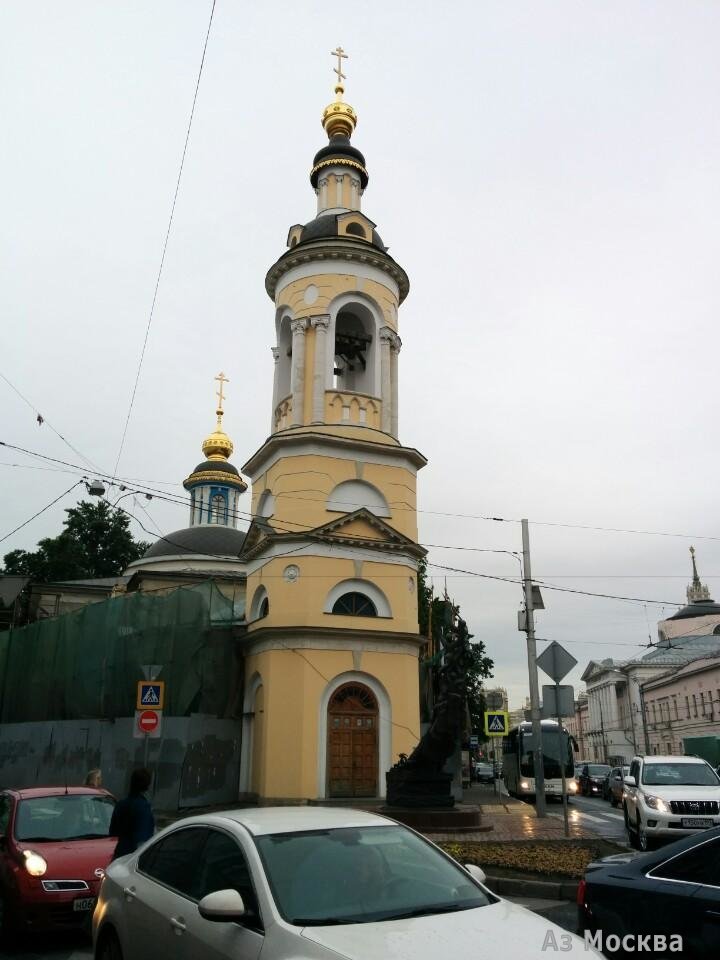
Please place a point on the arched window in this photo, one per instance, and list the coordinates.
(260, 606)
(357, 598)
(355, 605)
(356, 230)
(266, 504)
(218, 508)
(355, 350)
(351, 495)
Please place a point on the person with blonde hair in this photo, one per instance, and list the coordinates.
(94, 778)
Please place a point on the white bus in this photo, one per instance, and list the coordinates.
(518, 760)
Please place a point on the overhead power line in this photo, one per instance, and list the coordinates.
(47, 507)
(165, 245)
(43, 420)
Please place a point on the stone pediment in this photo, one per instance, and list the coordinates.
(259, 531)
(361, 527)
(364, 526)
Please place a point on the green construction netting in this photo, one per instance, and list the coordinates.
(86, 664)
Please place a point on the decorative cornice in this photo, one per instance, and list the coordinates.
(299, 325)
(338, 162)
(323, 637)
(215, 476)
(300, 436)
(336, 248)
(275, 353)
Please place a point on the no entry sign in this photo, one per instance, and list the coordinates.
(148, 723)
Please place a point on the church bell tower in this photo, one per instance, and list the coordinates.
(332, 554)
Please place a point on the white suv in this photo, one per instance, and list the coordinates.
(669, 797)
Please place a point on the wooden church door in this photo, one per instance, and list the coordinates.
(353, 742)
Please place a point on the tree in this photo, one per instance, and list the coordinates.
(431, 612)
(96, 542)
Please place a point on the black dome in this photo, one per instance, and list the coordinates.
(210, 540)
(221, 466)
(340, 148)
(327, 226)
(699, 608)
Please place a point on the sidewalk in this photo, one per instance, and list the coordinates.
(511, 819)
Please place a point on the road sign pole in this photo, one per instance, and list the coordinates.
(540, 806)
(146, 747)
(563, 761)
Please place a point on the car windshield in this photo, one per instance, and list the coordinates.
(679, 775)
(598, 770)
(64, 817)
(362, 875)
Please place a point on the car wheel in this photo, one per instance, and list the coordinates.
(631, 834)
(643, 840)
(109, 947)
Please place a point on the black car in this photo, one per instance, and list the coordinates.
(592, 779)
(674, 891)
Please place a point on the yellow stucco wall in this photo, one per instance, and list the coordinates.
(293, 685)
(301, 486)
(301, 602)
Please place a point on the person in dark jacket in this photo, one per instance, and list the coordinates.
(132, 820)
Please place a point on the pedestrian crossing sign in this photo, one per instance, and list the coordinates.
(150, 695)
(496, 723)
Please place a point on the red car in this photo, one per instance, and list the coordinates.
(54, 847)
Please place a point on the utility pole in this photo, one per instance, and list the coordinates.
(539, 770)
(644, 718)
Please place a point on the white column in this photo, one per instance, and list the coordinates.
(386, 338)
(395, 346)
(297, 374)
(276, 398)
(320, 324)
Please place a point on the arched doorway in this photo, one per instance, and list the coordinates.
(353, 742)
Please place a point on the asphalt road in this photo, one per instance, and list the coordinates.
(594, 814)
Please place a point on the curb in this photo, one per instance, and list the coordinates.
(522, 887)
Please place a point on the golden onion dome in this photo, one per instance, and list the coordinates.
(218, 445)
(339, 118)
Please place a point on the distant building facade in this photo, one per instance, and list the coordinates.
(639, 705)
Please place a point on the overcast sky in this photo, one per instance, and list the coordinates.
(546, 172)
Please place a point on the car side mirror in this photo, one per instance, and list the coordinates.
(630, 781)
(222, 906)
(477, 873)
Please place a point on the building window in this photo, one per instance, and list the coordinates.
(695, 713)
(675, 708)
(264, 608)
(669, 749)
(710, 704)
(356, 230)
(687, 706)
(354, 605)
(218, 509)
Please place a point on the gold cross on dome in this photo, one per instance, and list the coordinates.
(341, 55)
(222, 379)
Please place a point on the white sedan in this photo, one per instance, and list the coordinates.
(306, 883)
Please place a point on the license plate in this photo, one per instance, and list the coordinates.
(84, 903)
(697, 821)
